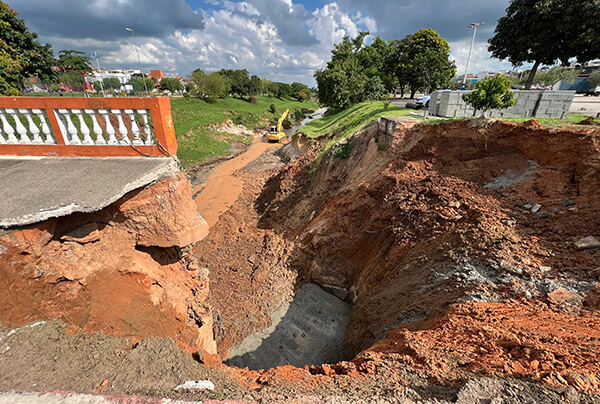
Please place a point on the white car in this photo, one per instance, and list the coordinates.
(423, 102)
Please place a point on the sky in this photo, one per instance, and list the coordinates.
(281, 40)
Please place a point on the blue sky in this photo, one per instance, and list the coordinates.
(282, 40)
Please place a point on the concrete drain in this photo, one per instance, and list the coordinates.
(308, 331)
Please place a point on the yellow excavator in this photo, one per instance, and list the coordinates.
(275, 134)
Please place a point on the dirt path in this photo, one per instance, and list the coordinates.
(222, 187)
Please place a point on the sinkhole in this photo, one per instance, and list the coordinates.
(307, 331)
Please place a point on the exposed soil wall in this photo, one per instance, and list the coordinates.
(125, 270)
(413, 223)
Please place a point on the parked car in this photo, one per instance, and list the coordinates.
(423, 102)
(420, 103)
(28, 89)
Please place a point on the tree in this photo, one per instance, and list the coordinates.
(544, 31)
(491, 93)
(554, 75)
(113, 83)
(72, 65)
(300, 91)
(21, 55)
(238, 80)
(209, 85)
(594, 79)
(425, 62)
(137, 82)
(374, 89)
(171, 84)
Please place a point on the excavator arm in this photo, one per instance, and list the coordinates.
(277, 133)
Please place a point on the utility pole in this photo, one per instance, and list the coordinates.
(475, 26)
(139, 61)
(97, 57)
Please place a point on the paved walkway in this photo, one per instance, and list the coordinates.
(36, 189)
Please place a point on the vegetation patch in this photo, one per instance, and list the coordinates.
(192, 119)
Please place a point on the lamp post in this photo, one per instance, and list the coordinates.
(475, 26)
(139, 61)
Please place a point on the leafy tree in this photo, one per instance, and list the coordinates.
(425, 62)
(255, 85)
(238, 81)
(171, 84)
(554, 75)
(21, 55)
(73, 60)
(374, 89)
(284, 90)
(72, 65)
(189, 87)
(268, 87)
(594, 79)
(491, 93)
(300, 91)
(113, 83)
(137, 81)
(543, 31)
(209, 85)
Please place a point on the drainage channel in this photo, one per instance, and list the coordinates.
(308, 331)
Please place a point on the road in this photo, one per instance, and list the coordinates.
(581, 104)
(585, 105)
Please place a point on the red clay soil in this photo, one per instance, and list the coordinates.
(119, 270)
(434, 215)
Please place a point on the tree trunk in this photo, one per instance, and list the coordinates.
(22, 91)
(529, 81)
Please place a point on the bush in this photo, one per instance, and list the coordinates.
(491, 93)
(253, 100)
(344, 151)
(272, 108)
(186, 96)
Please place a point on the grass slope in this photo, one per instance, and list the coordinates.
(344, 123)
(198, 143)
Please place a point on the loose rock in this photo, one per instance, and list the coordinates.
(587, 243)
(541, 215)
(567, 202)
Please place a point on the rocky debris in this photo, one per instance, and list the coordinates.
(567, 202)
(196, 385)
(337, 291)
(563, 296)
(587, 243)
(542, 215)
(536, 208)
(123, 270)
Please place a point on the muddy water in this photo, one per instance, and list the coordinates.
(222, 188)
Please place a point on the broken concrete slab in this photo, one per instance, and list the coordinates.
(36, 189)
(587, 243)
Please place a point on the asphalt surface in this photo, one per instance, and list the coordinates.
(36, 189)
(585, 105)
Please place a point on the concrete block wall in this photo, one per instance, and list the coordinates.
(540, 104)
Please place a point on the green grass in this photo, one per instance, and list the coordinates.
(197, 143)
(347, 121)
(343, 123)
(568, 121)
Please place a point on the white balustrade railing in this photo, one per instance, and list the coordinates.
(77, 126)
(86, 126)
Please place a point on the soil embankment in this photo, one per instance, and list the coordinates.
(124, 270)
(459, 246)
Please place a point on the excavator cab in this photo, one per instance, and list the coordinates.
(276, 133)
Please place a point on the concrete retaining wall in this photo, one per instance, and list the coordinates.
(538, 104)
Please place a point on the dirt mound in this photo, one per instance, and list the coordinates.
(123, 270)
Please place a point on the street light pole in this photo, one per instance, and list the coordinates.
(475, 26)
(139, 61)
